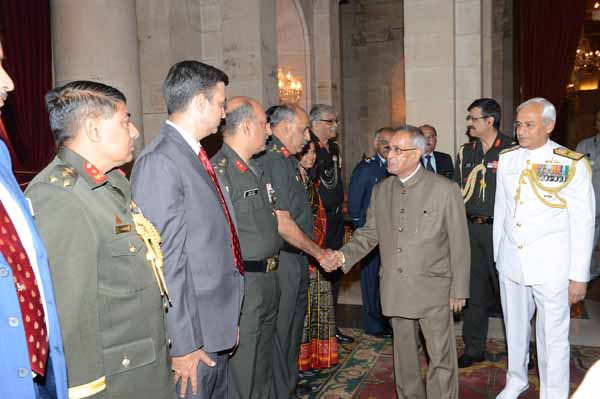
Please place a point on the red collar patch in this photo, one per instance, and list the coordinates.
(94, 173)
(243, 168)
(122, 172)
(285, 152)
(497, 143)
(474, 144)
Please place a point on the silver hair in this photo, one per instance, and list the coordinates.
(548, 110)
(317, 111)
(417, 139)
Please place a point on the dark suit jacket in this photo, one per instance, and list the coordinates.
(443, 164)
(175, 192)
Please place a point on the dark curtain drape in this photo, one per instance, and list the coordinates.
(26, 41)
(547, 34)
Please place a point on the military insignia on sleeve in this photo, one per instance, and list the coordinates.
(565, 152)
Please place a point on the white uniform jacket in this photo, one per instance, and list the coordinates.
(543, 215)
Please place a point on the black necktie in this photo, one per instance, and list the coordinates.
(428, 165)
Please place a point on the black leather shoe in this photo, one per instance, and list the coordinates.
(342, 338)
(467, 361)
(305, 389)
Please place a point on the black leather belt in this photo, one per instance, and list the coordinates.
(476, 219)
(262, 266)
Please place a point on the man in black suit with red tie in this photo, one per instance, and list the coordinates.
(435, 161)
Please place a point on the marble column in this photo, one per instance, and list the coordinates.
(249, 48)
(98, 40)
(447, 63)
(169, 32)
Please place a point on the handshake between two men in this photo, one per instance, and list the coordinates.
(331, 260)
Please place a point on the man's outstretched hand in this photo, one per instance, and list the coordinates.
(331, 260)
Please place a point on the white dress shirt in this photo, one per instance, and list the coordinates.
(195, 144)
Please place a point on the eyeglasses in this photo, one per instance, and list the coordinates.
(399, 151)
(528, 125)
(474, 118)
(336, 121)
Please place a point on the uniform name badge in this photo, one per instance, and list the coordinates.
(250, 193)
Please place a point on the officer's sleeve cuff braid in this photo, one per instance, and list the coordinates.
(89, 389)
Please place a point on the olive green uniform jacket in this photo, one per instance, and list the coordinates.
(110, 309)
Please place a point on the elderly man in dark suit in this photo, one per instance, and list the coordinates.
(177, 188)
(418, 220)
(435, 161)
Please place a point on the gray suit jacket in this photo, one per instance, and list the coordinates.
(421, 229)
(175, 192)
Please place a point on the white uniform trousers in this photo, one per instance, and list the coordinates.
(552, 336)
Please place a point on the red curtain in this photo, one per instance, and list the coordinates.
(13, 155)
(26, 41)
(547, 34)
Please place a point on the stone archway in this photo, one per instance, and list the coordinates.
(293, 46)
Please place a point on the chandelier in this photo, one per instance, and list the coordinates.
(586, 59)
(290, 88)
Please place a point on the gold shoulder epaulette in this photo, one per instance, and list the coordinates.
(63, 176)
(565, 152)
(509, 149)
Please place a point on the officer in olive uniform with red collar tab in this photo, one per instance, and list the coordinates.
(108, 293)
(244, 134)
(475, 172)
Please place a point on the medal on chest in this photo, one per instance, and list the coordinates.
(550, 172)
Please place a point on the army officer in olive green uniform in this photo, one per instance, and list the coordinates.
(107, 292)
(244, 134)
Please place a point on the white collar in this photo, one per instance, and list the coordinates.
(195, 144)
(411, 175)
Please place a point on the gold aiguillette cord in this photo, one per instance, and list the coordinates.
(154, 255)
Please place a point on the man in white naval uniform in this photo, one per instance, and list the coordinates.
(543, 237)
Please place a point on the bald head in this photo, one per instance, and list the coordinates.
(239, 110)
(245, 125)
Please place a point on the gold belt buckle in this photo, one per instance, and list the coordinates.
(272, 264)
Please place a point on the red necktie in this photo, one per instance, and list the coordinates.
(30, 301)
(237, 251)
